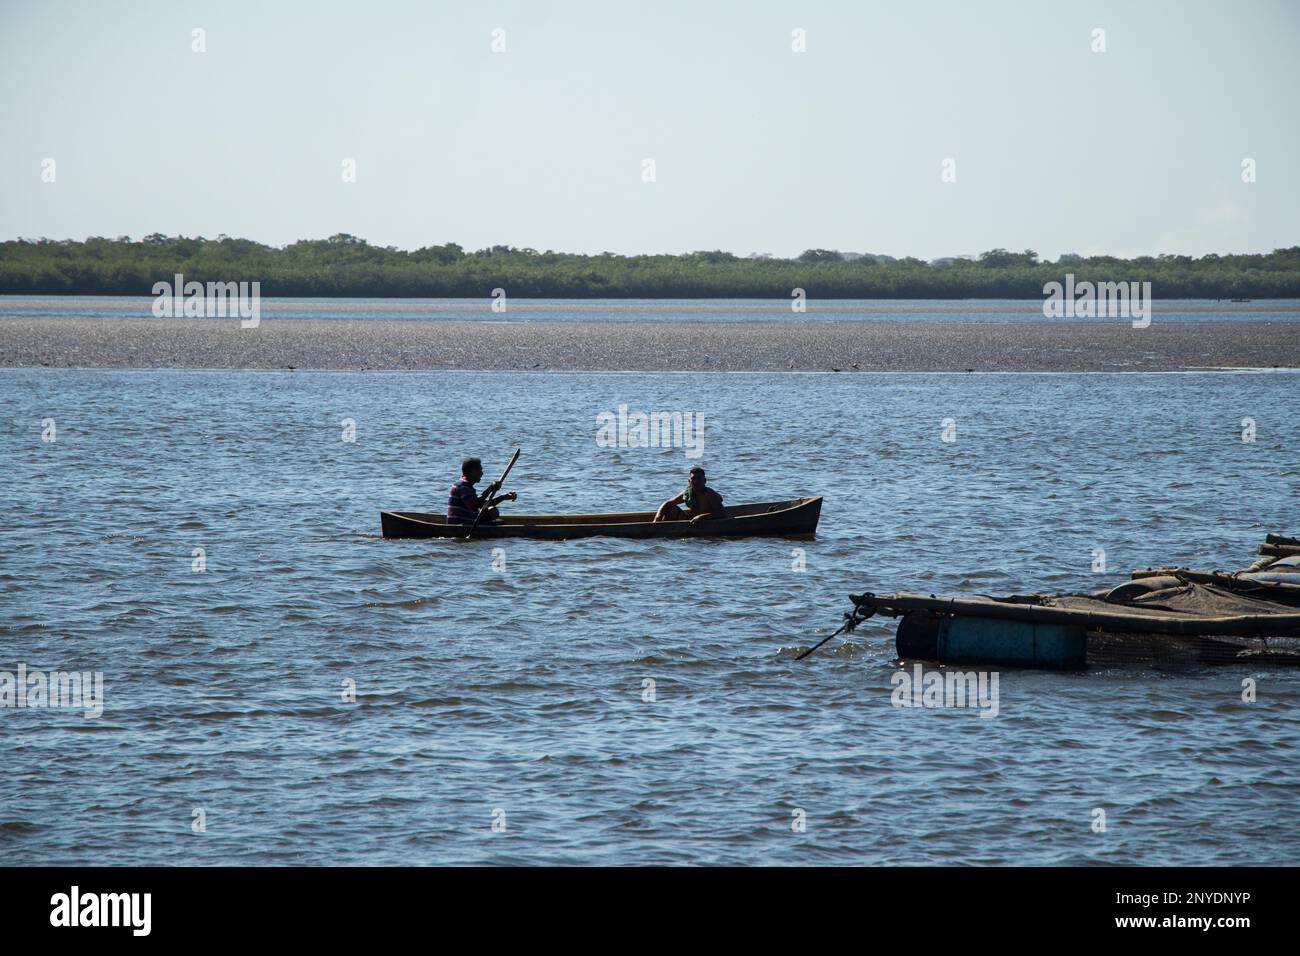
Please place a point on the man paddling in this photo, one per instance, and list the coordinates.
(701, 502)
(463, 504)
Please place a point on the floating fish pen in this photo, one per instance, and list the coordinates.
(1162, 616)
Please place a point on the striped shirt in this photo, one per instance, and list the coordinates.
(462, 503)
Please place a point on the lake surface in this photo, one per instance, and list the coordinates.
(506, 682)
(663, 310)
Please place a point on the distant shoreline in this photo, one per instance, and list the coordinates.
(347, 265)
(846, 305)
(1107, 345)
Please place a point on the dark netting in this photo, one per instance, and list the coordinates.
(1184, 601)
(1107, 648)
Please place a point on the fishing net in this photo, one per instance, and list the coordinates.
(1106, 649)
(1188, 601)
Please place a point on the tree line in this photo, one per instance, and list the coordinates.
(345, 265)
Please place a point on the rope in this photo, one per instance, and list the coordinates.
(851, 620)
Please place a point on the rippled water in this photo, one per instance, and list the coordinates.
(521, 689)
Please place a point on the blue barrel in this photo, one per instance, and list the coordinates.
(987, 640)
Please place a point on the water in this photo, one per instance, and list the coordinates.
(521, 689)
(663, 310)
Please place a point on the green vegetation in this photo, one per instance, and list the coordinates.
(344, 265)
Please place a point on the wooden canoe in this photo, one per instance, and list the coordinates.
(797, 518)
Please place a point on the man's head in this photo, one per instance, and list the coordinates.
(471, 469)
(697, 477)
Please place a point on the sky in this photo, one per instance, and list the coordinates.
(543, 143)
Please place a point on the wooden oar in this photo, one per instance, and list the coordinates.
(486, 496)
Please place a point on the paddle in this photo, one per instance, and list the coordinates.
(487, 494)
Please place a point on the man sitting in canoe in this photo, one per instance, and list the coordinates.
(702, 503)
(463, 504)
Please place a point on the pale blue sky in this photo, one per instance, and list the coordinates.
(1137, 150)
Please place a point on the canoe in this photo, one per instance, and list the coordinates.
(796, 518)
